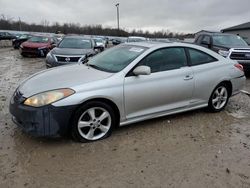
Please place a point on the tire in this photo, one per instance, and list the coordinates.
(93, 121)
(219, 98)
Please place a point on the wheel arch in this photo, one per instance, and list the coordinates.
(229, 85)
(106, 101)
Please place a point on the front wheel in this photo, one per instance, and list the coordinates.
(93, 121)
(219, 98)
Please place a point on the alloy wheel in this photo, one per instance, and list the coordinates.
(94, 123)
(220, 97)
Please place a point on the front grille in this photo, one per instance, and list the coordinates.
(67, 59)
(240, 55)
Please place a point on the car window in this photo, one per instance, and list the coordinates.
(117, 58)
(165, 59)
(198, 57)
(206, 39)
(199, 39)
(228, 40)
(78, 43)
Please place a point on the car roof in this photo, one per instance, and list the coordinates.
(214, 33)
(156, 44)
(147, 44)
(76, 36)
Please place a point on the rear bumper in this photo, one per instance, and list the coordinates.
(47, 121)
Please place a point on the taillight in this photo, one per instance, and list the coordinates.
(239, 66)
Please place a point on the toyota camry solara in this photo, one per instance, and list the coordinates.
(125, 84)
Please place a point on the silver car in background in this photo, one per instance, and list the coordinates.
(71, 49)
(125, 84)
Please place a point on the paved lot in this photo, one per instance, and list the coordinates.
(194, 149)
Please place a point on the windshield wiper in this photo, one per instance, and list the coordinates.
(93, 66)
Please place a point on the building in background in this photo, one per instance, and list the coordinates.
(242, 30)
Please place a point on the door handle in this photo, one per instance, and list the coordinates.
(188, 77)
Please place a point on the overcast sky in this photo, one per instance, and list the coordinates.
(174, 15)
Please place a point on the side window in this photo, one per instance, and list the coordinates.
(199, 39)
(165, 59)
(198, 57)
(206, 39)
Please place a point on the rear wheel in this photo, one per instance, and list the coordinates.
(219, 98)
(93, 121)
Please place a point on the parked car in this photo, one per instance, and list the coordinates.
(6, 36)
(116, 41)
(161, 40)
(125, 84)
(38, 46)
(100, 43)
(228, 45)
(72, 49)
(18, 41)
(136, 39)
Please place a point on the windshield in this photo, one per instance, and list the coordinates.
(23, 36)
(230, 40)
(98, 40)
(116, 58)
(39, 39)
(79, 43)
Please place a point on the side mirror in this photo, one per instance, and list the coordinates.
(142, 70)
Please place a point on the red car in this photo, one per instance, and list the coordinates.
(38, 46)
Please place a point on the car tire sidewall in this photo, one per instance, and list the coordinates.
(74, 130)
(210, 105)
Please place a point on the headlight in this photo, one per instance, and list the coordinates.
(223, 53)
(48, 97)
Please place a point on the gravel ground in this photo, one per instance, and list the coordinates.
(194, 149)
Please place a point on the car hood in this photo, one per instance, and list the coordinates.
(70, 51)
(228, 47)
(34, 44)
(61, 77)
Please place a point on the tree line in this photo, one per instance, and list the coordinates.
(7, 23)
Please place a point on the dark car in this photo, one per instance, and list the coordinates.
(71, 49)
(6, 36)
(228, 45)
(37, 46)
(117, 41)
(18, 41)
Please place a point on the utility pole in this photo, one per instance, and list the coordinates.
(118, 26)
(20, 24)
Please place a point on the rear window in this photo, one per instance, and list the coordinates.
(198, 57)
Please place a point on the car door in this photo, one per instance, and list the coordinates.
(207, 70)
(168, 87)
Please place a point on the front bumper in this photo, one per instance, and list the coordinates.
(53, 63)
(47, 121)
(34, 51)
